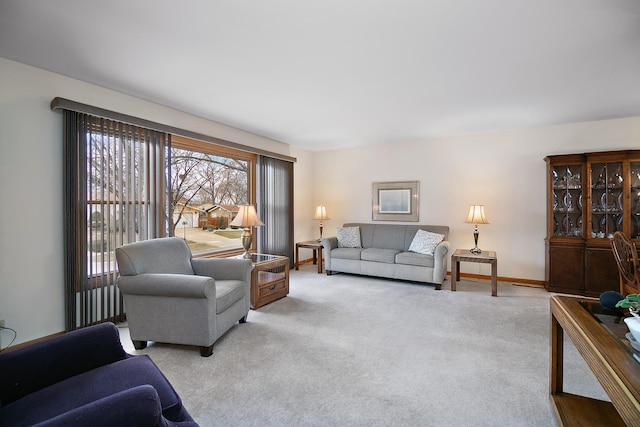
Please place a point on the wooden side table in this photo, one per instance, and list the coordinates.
(269, 279)
(484, 257)
(316, 246)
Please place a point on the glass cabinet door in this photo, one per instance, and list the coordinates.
(567, 200)
(607, 199)
(634, 201)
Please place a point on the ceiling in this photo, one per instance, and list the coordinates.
(342, 73)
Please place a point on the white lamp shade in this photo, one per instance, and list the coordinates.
(476, 215)
(321, 213)
(247, 217)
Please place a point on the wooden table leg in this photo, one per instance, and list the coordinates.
(297, 256)
(494, 278)
(455, 267)
(556, 359)
(320, 260)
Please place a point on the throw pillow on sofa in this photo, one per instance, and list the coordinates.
(348, 237)
(425, 242)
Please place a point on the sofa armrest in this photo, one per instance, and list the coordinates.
(223, 268)
(440, 259)
(28, 369)
(138, 406)
(441, 250)
(328, 244)
(168, 285)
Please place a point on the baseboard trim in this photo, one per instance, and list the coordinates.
(515, 280)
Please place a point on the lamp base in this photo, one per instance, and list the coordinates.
(476, 250)
(246, 243)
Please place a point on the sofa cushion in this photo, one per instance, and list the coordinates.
(346, 253)
(425, 242)
(348, 237)
(387, 256)
(228, 292)
(413, 258)
(93, 385)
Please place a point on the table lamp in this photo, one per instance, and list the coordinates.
(246, 218)
(321, 214)
(476, 216)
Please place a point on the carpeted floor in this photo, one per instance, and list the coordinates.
(345, 350)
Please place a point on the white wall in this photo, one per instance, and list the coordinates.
(504, 171)
(31, 239)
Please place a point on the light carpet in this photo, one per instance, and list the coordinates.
(345, 350)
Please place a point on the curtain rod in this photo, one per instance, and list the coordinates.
(66, 104)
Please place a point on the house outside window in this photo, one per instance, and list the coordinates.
(208, 184)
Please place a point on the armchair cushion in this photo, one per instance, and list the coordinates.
(228, 292)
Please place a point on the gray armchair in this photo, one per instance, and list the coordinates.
(171, 297)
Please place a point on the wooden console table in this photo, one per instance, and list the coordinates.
(599, 337)
(485, 257)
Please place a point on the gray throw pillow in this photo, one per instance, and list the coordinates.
(425, 242)
(348, 237)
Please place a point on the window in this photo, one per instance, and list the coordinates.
(208, 184)
(128, 179)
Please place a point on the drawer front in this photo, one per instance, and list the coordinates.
(269, 289)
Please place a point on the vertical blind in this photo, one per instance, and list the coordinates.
(275, 206)
(115, 192)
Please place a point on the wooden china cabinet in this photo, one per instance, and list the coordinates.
(589, 197)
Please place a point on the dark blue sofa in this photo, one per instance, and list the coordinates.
(85, 378)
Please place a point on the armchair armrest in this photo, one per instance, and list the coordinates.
(223, 268)
(168, 285)
(137, 406)
(28, 369)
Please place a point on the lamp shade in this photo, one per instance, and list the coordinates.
(321, 213)
(247, 217)
(476, 215)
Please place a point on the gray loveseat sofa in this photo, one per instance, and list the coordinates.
(385, 253)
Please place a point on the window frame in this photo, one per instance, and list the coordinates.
(187, 143)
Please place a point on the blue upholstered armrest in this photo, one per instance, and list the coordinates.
(137, 406)
(39, 365)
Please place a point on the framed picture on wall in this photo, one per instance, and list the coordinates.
(395, 201)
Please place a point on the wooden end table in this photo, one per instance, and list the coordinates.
(269, 279)
(316, 246)
(484, 257)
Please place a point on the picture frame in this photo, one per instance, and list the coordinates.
(396, 201)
